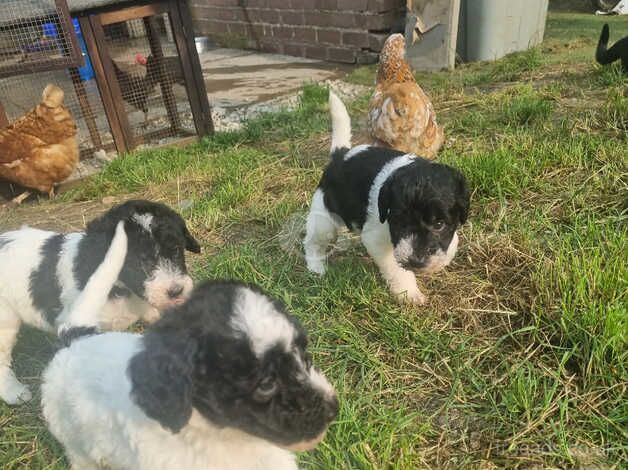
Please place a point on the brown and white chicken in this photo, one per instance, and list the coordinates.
(40, 149)
(401, 116)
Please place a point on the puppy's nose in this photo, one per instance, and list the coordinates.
(331, 408)
(175, 291)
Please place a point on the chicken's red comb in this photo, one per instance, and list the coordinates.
(140, 59)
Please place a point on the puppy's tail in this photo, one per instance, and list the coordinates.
(83, 314)
(601, 53)
(340, 123)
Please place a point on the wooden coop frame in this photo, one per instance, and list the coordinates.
(92, 23)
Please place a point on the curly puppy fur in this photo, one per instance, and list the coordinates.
(223, 381)
(406, 209)
(42, 273)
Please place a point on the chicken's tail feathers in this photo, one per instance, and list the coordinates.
(601, 52)
(52, 96)
(340, 123)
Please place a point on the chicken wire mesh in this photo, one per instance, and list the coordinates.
(19, 94)
(148, 70)
(35, 35)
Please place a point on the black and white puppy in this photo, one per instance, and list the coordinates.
(406, 208)
(42, 273)
(221, 382)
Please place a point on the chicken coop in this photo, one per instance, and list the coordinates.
(129, 69)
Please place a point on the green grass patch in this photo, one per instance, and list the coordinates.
(519, 358)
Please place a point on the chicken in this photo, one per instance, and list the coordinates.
(400, 114)
(134, 89)
(172, 70)
(40, 149)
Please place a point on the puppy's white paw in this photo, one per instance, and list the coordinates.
(316, 266)
(12, 391)
(413, 297)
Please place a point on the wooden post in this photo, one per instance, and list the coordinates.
(180, 17)
(166, 87)
(120, 133)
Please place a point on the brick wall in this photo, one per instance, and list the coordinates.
(351, 31)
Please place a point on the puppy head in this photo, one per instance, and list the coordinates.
(424, 203)
(238, 358)
(154, 268)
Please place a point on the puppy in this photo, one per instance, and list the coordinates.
(42, 273)
(407, 209)
(222, 382)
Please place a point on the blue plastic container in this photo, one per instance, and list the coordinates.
(86, 72)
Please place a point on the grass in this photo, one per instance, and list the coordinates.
(519, 358)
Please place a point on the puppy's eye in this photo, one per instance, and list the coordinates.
(438, 226)
(265, 389)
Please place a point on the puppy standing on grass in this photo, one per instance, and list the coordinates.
(42, 274)
(222, 382)
(406, 208)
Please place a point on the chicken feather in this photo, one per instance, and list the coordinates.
(401, 115)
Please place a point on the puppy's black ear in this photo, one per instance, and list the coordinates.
(161, 381)
(462, 197)
(190, 242)
(383, 201)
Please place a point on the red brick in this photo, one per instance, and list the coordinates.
(376, 41)
(225, 3)
(292, 17)
(269, 16)
(379, 21)
(326, 4)
(327, 19)
(238, 28)
(305, 34)
(302, 4)
(352, 5)
(259, 30)
(293, 49)
(360, 39)
(329, 36)
(337, 54)
(279, 4)
(211, 26)
(224, 14)
(316, 52)
(272, 46)
(365, 57)
(283, 32)
(250, 15)
(377, 6)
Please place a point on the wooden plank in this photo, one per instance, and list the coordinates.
(181, 12)
(132, 13)
(86, 108)
(112, 81)
(109, 105)
(67, 28)
(48, 65)
(166, 88)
